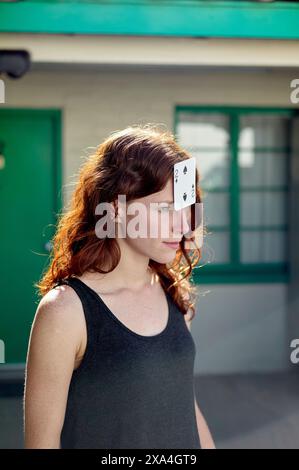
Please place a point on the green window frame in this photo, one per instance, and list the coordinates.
(235, 271)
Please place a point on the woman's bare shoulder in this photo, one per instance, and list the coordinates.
(60, 308)
(54, 342)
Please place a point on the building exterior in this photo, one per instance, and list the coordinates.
(221, 76)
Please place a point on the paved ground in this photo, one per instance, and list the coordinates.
(251, 411)
(243, 411)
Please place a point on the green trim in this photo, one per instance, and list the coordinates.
(256, 189)
(242, 149)
(254, 228)
(189, 18)
(235, 271)
(234, 193)
(264, 228)
(265, 189)
(245, 278)
(255, 273)
(236, 109)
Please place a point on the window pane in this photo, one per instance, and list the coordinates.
(216, 209)
(215, 248)
(263, 246)
(209, 130)
(206, 137)
(213, 168)
(263, 208)
(263, 130)
(262, 169)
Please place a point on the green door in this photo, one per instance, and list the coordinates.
(30, 198)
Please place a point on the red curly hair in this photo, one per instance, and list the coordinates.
(136, 161)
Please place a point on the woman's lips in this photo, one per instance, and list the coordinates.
(173, 245)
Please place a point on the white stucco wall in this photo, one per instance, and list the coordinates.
(241, 328)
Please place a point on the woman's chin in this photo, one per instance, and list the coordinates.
(165, 258)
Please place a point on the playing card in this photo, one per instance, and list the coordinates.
(184, 183)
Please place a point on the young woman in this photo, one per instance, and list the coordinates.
(110, 357)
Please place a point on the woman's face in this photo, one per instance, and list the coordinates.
(151, 222)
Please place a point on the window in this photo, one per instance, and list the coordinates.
(243, 159)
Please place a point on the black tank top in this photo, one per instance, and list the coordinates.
(131, 391)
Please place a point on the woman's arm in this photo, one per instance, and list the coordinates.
(205, 437)
(55, 338)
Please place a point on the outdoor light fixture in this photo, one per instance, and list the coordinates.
(14, 63)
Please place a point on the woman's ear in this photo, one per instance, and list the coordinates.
(119, 214)
(115, 207)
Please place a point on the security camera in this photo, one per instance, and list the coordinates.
(14, 63)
